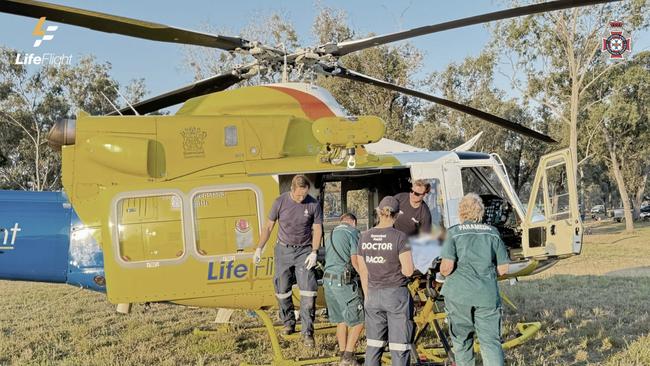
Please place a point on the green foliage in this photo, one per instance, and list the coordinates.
(32, 101)
(472, 82)
(623, 116)
(557, 63)
(273, 29)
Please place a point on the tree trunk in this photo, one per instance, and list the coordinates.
(638, 198)
(573, 134)
(618, 176)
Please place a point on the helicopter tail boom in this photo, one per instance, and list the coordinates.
(43, 240)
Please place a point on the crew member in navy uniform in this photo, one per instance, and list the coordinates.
(473, 256)
(415, 217)
(385, 263)
(300, 221)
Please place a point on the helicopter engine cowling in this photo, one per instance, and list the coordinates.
(62, 133)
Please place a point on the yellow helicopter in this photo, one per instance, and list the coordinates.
(176, 202)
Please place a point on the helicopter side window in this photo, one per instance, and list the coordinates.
(230, 136)
(357, 203)
(336, 202)
(225, 221)
(558, 190)
(435, 203)
(332, 206)
(150, 228)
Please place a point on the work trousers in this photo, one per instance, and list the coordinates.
(464, 320)
(290, 269)
(389, 314)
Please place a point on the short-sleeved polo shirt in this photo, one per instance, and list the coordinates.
(380, 248)
(295, 219)
(341, 245)
(477, 250)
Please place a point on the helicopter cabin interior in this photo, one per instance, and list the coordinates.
(359, 193)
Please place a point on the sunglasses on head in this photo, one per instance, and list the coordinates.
(418, 194)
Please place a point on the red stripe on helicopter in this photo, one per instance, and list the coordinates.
(313, 107)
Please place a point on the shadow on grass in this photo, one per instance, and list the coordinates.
(608, 227)
(643, 271)
(585, 319)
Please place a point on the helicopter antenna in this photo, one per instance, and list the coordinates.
(111, 103)
(127, 101)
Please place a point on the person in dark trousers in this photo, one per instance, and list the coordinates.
(415, 217)
(385, 263)
(473, 255)
(300, 222)
(342, 287)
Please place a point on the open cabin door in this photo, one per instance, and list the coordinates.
(552, 226)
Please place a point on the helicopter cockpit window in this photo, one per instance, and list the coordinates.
(230, 135)
(150, 228)
(483, 181)
(225, 221)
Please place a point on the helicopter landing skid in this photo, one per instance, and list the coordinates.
(278, 358)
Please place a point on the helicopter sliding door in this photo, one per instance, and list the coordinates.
(552, 226)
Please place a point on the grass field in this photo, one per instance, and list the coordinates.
(594, 309)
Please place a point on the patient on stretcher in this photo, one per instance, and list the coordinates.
(425, 249)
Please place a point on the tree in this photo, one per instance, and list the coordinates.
(396, 64)
(623, 119)
(273, 29)
(31, 102)
(393, 63)
(558, 55)
(472, 82)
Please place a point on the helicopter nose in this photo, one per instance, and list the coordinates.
(62, 133)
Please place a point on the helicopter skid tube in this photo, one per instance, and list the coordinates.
(278, 358)
(526, 331)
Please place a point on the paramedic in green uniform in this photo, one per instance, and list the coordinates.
(472, 256)
(343, 295)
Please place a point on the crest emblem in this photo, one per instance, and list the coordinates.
(616, 44)
(193, 141)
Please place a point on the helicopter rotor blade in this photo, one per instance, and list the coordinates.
(343, 48)
(121, 25)
(209, 85)
(501, 122)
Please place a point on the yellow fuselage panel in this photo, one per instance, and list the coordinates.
(181, 199)
(258, 100)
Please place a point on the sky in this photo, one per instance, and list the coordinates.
(160, 64)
